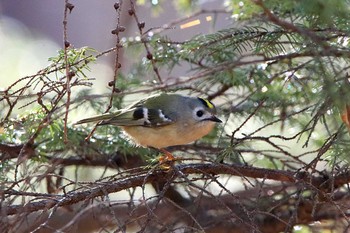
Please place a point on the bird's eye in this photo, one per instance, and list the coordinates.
(199, 113)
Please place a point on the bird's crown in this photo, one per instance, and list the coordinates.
(207, 103)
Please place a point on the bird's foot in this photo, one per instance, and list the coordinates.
(166, 157)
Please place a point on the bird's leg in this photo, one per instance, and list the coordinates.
(167, 157)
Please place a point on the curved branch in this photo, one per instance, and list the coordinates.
(210, 169)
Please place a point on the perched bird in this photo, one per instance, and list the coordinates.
(163, 120)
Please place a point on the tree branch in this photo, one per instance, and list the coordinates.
(143, 177)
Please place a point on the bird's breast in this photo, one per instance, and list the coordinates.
(169, 135)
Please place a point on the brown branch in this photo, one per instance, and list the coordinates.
(117, 65)
(69, 75)
(141, 25)
(136, 180)
(93, 216)
(291, 27)
(8, 152)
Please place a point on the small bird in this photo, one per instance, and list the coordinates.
(163, 120)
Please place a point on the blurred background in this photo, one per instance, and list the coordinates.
(33, 31)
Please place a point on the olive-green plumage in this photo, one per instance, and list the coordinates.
(163, 120)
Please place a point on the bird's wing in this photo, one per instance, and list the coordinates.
(139, 116)
(145, 112)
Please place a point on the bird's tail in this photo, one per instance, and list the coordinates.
(98, 118)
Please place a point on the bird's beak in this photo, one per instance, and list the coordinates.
(215, 119)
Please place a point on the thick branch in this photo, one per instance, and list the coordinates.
(178, 171)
